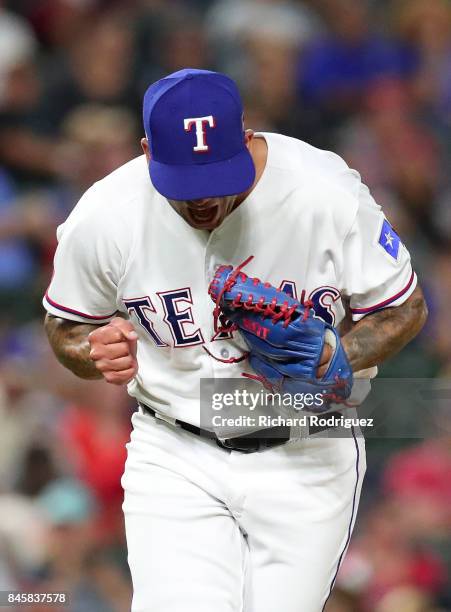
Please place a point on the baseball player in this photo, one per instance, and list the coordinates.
(214, 525)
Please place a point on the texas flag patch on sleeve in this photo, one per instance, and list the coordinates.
(389, 240)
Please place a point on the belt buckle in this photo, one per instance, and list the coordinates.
(252, 446)
(166, 419)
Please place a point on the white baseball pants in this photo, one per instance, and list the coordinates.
(215, 531)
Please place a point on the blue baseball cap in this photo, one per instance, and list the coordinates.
(193, 120)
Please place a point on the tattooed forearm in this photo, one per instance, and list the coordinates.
(69, 341)
(382, 334)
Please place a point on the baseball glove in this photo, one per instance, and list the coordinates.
(284, 337)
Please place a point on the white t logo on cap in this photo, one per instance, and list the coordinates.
(200, 123)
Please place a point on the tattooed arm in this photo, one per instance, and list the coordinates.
(385, 332)
(93, 351)
(69, 341)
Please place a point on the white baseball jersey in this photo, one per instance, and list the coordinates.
(312, 226)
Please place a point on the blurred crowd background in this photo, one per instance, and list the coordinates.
(369, 80)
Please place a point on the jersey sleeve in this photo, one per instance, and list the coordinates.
(377, 269)
(87, 267)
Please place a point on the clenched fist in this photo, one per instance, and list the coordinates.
(113, 349)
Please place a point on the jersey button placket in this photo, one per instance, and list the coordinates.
(211, 263)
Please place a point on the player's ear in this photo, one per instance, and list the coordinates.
(248, 136)
(145, 148)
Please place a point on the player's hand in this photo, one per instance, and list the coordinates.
(326, 356)
(113, 349)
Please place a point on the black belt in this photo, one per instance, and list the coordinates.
(250, 443)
